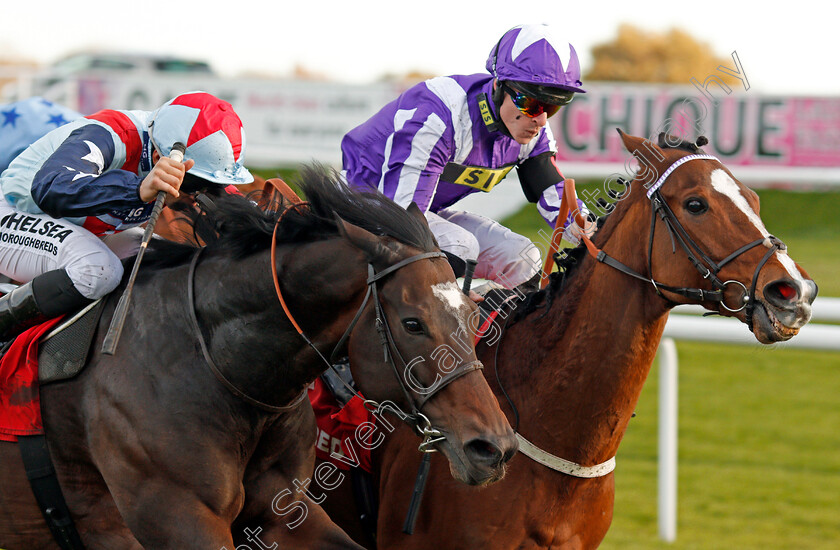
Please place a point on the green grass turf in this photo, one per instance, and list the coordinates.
(758, 466)
(759, 441)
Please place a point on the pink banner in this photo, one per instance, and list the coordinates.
(744, 129)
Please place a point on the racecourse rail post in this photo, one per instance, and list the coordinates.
(112, 338)
(667, 493)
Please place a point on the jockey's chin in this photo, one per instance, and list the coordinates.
(525, 137)
(523, 129)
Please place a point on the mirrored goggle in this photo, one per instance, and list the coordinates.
(532, 107)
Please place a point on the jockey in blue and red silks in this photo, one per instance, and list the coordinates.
(451, 136)
(65, 200)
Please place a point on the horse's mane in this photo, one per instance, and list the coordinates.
(241, 228)
(568, 260)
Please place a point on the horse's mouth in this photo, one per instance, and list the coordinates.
(468, 472)
(767, 327)
(478, 477)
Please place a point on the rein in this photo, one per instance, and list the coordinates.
(209, 360)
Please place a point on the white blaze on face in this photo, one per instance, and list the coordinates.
(723, 183)
(454, 301)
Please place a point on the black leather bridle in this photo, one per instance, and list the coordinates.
(707, 267)
(415, 419)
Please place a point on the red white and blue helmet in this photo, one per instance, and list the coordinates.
(530, 56)
(212, 132)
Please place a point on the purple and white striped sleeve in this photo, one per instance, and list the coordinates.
(415, 156)
(549, 205)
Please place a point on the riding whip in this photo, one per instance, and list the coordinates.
(112, 338)
(468, 275)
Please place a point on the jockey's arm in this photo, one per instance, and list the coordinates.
(415, 178)
(78, 178)
(543, 183)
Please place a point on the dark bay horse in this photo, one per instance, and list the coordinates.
(156, 449)
(574, 357)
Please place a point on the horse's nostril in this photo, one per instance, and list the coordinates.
(787, 291)
(509, 454)
(781, 293)
(484, 452)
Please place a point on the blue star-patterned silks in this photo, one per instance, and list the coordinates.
(10, 117)
(58, 120)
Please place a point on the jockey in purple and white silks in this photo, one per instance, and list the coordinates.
(24, 122)
(451, 136)
(65, 200)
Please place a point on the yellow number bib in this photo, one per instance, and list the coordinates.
(483, 179)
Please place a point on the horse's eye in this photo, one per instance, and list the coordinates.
(414, 326)
(696, 206)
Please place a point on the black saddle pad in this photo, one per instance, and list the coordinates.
(64, 351)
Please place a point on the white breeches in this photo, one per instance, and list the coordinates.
(32, 244)
(503, 256)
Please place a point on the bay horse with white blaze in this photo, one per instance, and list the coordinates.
(193, 435)
(573, 358)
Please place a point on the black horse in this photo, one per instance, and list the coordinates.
(193, 434)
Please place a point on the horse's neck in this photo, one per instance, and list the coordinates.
(251, 339)
(577, 391)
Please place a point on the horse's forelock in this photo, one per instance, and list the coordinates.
(668, 141)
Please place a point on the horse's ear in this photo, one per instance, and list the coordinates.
(415, 211)
(641, 147)
(374, 246)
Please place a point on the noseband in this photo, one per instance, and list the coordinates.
(701, 261)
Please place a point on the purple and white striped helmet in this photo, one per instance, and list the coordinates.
(528, 54)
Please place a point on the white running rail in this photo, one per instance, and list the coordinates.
(686, 323)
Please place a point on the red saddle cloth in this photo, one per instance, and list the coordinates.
(20, 403)
(337, 434)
